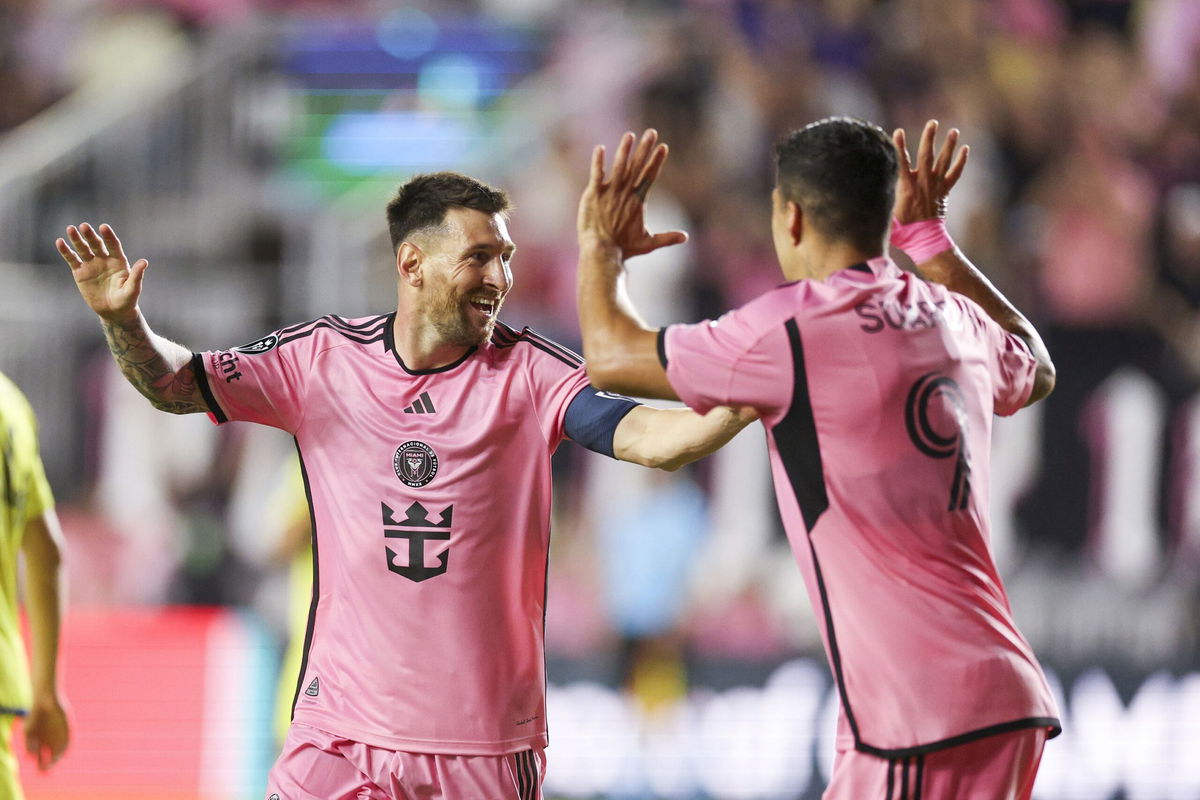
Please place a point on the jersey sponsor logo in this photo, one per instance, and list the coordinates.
(314, 688)
(936, 418)
(415, 463)
(417, 528)
(422, 405)
(261, 346)
(227, 363)
(273, 797)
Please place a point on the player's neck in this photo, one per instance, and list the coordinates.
(420, 346)
(820, 258)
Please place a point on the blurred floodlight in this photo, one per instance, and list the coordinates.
(367, 143)
(451, 81)
(407, 33)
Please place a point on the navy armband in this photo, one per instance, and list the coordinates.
(593, 416)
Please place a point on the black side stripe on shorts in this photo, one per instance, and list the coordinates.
(527, 775)
(914, 766)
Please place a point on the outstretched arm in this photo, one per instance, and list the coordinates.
(620, 350)
(921, 197)
(46, 729)
(157, 367)
(668, 438)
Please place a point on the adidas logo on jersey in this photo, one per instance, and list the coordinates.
(314, 688)
(422, 405)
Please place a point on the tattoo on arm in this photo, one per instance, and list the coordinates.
(160, 369)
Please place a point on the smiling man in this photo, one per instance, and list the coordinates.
(425, 438)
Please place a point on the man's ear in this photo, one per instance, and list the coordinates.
(795, 222)
(409, 262)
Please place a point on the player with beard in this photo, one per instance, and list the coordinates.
(425, 438)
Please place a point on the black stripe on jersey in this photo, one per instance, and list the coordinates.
(506, 332)
(799, 451)
(796, 439)
(363, 338)
(205, 389)
(316, 582)
(1054, 726)
(904, 779)
(565, 351)
(891, 784)
(545, 345)
(662, 346)
(920, 777)
(509, 336)
(360, 327)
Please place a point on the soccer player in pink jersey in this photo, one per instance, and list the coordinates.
(425, 438)
(877, 391)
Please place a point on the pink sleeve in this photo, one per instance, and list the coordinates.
(1013, 368)
(735, 360)
(556, 375)
(263, 382)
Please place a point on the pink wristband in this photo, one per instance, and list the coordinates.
(921, 240)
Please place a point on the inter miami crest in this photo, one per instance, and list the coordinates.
(415, 463)
(261, 346)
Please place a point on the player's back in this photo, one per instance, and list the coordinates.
(902, 381)
(877, 391)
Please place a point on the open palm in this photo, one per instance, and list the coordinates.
(109, 285)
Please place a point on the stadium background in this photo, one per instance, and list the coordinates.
(246, 147)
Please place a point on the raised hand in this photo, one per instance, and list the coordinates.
(921, 193)
(109, 285)
(611, 211)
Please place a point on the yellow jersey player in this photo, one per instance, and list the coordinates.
(28, 525)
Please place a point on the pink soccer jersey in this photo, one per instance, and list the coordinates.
(430, 497)
(877, 392)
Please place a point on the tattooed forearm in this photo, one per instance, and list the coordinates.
(158, 368)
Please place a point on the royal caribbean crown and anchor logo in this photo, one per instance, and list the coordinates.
(418, 529)
(415, 463)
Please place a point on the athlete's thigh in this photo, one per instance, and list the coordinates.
(313, 765)
(517, 776)
(1001, 767)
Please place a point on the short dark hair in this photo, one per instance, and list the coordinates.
(423, 200)
(842, 173)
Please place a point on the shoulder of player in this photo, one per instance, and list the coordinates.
(323, 333)
(529, 345)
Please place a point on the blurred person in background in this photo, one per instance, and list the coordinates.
(428, 430)
(878, 391)
(28, 527)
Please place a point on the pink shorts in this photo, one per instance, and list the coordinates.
(1000, 767)
(315, 765)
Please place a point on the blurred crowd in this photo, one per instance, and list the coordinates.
(1081, 201)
